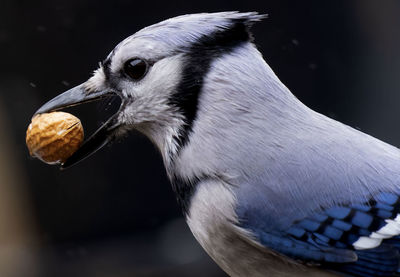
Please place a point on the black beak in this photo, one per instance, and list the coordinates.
(104, 135)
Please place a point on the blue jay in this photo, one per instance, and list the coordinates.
(268, 186)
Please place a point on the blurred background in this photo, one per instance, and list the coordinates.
(114, 214)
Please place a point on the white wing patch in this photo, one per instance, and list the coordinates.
(391, 229)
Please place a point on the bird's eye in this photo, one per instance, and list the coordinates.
(135, 69)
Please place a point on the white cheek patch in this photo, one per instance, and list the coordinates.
(391, 229)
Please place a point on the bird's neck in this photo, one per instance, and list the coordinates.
(162, 135)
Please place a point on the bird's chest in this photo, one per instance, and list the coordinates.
(212, 220)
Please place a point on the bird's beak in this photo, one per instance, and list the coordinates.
(104, 135)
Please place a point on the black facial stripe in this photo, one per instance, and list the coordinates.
(106, 64)
(199, 57)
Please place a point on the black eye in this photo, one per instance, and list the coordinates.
(135, 68)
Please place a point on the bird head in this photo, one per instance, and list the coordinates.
(159, 73)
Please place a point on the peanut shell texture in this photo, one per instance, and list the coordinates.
(54, 137)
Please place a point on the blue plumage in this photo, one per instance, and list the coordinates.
(328, 236)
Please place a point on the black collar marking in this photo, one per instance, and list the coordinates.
(197, 64)
(184, 190)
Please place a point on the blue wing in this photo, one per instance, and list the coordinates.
(361, 239)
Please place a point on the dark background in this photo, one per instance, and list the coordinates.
(114, 214)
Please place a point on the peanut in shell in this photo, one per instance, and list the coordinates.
(54, 137)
